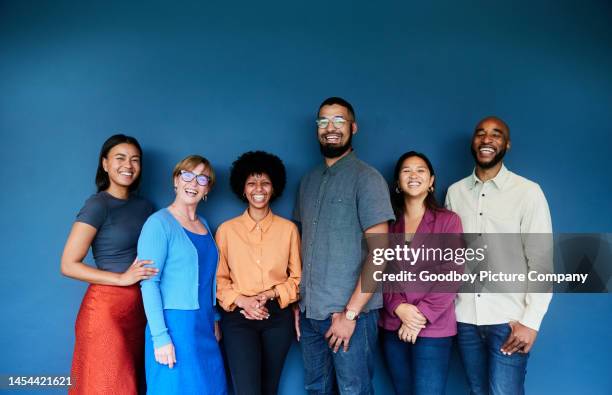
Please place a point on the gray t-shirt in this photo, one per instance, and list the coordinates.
(118, 223)
(335, 205)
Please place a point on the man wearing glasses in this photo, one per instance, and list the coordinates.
(338, 202)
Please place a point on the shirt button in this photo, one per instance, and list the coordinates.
(483, 194)
(480, 213)
(478, 295)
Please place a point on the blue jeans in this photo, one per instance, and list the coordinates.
(347, 372)
(488, 370)
(420, 368)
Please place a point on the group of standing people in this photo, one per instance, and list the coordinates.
(152, 299)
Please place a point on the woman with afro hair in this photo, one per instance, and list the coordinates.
(258, 276)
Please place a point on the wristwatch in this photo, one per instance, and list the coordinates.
(350, 315)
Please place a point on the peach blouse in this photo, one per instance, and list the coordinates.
(255, 257)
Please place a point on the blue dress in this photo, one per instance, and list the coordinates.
(199, 366)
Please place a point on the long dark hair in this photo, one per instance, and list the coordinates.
(102, 180)
(397, 198)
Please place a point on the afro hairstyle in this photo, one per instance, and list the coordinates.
(258, 162)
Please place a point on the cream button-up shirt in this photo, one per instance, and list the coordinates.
(508, 203)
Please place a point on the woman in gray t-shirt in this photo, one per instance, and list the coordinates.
(109, 330)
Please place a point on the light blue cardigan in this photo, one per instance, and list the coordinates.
(164, 241)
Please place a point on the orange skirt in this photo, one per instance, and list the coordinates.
(109, 341)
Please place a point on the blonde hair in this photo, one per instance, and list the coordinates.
(190, 163)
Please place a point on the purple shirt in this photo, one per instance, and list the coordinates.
(438, 308)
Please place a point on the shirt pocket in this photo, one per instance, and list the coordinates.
(342, 213)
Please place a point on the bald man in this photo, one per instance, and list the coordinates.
(496, 331)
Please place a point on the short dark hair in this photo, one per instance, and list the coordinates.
(330, 101)
(258, 162)
(102, 180)
(397, 198)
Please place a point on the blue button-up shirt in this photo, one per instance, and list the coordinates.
(335, 205)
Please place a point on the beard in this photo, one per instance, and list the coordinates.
(487, 165)
(334, 151)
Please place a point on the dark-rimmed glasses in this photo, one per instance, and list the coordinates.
(201, 179)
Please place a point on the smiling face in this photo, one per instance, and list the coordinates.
(191, 193)
(415, 179)
(490, 141)
(335, 140)
(122, 164)
(258, 190)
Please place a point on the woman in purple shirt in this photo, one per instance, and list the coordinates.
(418, 326)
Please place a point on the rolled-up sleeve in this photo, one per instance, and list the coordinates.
(288, 290)
(226, 294)
(442, 294)
(536, 228)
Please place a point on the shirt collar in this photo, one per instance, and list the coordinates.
(425, 226)
(342, 163)
(499, 180)
(428, 219)
(252, 225)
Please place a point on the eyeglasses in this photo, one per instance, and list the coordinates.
(337, 121)
(201, 179)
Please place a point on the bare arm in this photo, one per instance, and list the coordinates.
(79, 240)
(341, 329)
(359, 298)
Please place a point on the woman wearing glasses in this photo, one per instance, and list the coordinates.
(109, 330)
(418, 322)
(182, 355)
(258, 276)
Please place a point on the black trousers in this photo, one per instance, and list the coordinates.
(256, 350)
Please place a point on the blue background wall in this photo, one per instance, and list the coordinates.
(219, 78)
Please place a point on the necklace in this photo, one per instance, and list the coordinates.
(176, 210)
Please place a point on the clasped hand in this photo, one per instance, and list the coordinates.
(412, 322)
(254, 307)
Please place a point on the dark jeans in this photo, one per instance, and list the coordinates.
(488, 370)
(348, 372)
(420, 368)
(256, 350)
